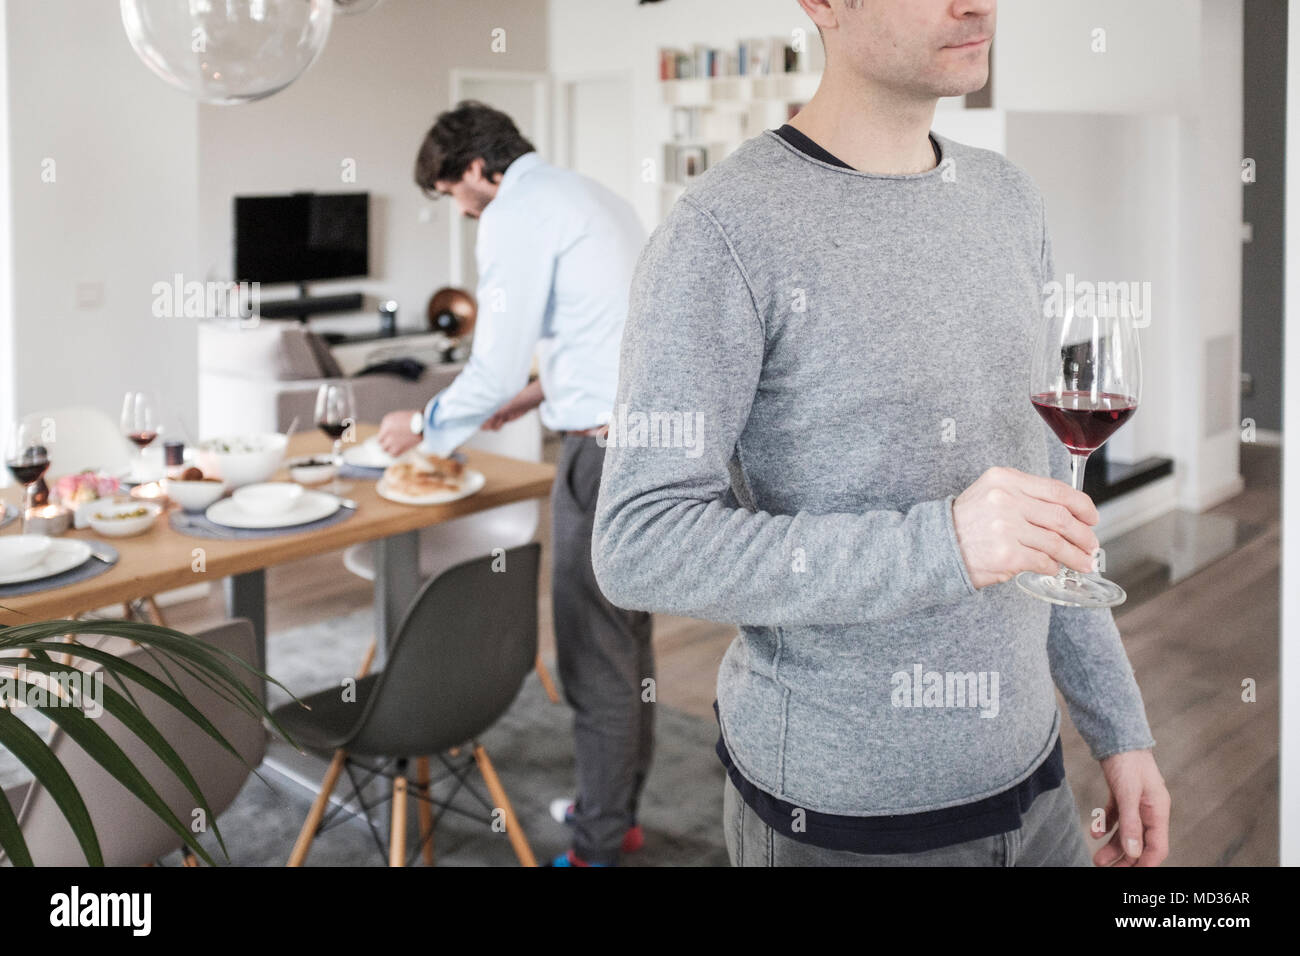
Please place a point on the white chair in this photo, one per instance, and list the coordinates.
(81, 437)
(472, 536)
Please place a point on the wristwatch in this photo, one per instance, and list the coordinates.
(417, 423)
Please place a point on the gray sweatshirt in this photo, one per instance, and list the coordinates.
(816, 362)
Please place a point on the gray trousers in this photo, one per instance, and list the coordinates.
(1049, 835)
(604, 654)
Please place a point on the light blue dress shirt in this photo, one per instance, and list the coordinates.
(555, 253)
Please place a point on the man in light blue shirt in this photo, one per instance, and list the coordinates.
(555, 254)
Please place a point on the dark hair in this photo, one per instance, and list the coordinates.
(469, 131)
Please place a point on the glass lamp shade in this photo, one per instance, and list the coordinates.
(356, 6)
(228, 51)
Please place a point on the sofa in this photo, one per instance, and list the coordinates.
(256, 379)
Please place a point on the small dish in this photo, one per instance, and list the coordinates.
(22, 551)
(314, 469)
(194, 496)
(267, 498)
(124, 520)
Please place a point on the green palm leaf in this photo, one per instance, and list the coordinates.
(215, 668)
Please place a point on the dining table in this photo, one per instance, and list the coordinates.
(163, 558)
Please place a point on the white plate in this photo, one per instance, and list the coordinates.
(470, 482)
(312, 506)
(64, 555)
(367, 455)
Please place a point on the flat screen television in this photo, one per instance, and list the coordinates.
(301, 237)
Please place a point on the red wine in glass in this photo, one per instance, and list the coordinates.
(26, 472)
(334, 430)
(1084, 421)
(335, 411)
(27, 460)
(140, 425)
(1085, 382)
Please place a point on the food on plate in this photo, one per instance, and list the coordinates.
(241, 445)
(122, 515)
(195, 474)
(420, 474)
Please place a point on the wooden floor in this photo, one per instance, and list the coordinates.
(1191, 648)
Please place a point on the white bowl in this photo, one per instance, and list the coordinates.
(306, 474)
(269, 498)
(101, 519)
(193, 496)
(242, 459)
(18, 552)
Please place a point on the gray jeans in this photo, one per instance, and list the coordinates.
(604, 654)
(1049, 835)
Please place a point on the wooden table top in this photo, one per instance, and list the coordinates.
(162, 559)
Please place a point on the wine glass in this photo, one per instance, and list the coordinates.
(26, 459)
(335, 413)
(1086, 382)
(140, 426)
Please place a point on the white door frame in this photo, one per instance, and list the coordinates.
(563, 82)
(541, 83)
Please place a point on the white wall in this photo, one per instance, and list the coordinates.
(1110, 205)
(370, 97)
(621, 37)
(1290, 638)
(119, 214)
(6, 246)
(1150, 63)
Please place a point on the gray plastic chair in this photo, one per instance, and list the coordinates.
(455, 665)
(130, 834)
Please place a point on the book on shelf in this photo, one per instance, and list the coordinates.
(753, 57)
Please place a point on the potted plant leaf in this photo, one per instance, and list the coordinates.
(28, 655)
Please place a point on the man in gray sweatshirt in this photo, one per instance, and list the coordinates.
(823, 434)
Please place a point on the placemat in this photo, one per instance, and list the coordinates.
(199, 526)
(358, 473)
(91, 568)
(8, 514)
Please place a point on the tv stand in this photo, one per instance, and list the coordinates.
(305, 306)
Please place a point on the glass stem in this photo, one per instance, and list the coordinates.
(1077, 464)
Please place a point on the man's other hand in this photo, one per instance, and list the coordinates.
(1140, 804)
(395, 435)
(529, 398)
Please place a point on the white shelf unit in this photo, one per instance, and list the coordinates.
(724, 112)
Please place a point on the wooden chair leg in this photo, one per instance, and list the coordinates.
(425, 809)
(513, 830)
(155, 614)
(397, 831)
(308, 832)
(367, 660)
(545, 676)
(309, 827)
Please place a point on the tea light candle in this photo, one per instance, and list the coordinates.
(47, 519)
(150, 491)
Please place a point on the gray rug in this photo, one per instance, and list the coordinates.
(531, 747)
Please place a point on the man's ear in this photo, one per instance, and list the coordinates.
(474, 171)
